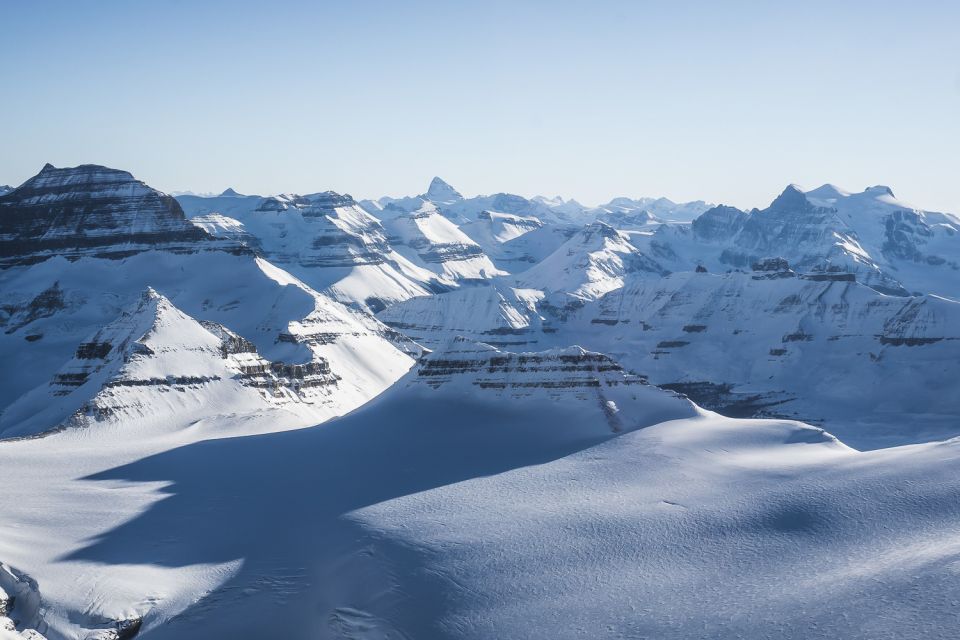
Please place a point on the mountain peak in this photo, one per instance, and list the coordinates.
(792, 198)
(88, 210)
(230, 193)
(880, 190)
(440, 191)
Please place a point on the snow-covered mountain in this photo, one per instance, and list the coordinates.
(156, 367)
(51, 305)
(635, 210)
(823, 349)
(206, 434)
(432, 241)
(5, 189)
(880, 240)
(89, 211)
(557, 470)
(333, 244)
(592, 262)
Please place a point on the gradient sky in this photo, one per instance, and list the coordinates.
(724, 101)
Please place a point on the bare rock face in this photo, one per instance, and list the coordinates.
(89, 210)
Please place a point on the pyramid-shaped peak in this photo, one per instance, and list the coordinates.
(229, 192)
(792, 197)
(440, 191)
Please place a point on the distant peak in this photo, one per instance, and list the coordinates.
(230, 193)
(440, 191)
(792, 197)
(47, 167)
(880, 190)
(828, 191)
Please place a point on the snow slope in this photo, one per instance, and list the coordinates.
(430, 240)
(52, 307)
(591, 263)
(154, 367)
(251, 552)
(489, 494)
(708, 527)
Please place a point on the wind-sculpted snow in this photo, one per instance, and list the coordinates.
(91, 211)
(488, 495)
(698, 528)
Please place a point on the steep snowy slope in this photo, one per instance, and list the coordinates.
(490, 494)
(495, 314)
(51, 305)
(770, 342)
(157, 368)
(591, 263)
(874, 369)
(882, 241)
(325, 239)
(430, 240)
(244, 536)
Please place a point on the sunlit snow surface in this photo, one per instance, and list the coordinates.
(468, 512)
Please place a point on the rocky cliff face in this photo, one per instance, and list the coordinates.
(90, 211)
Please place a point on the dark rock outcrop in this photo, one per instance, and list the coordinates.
(89, 210)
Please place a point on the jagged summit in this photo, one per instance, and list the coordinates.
(442, 193)
(89, 210)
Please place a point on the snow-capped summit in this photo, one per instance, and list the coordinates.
(327, 240)
(591, 263)
(876, 238)
(432, 241)
(659, 208)
(441, 193)
(5, 189)
(90, 210)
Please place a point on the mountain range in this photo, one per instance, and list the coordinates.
(440, 416)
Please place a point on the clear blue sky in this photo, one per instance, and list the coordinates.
(725, 101)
